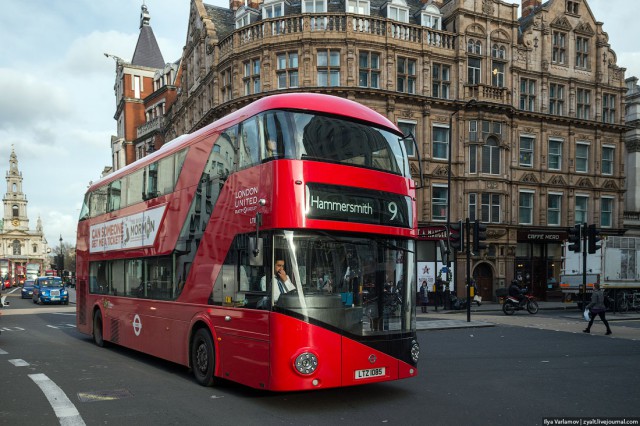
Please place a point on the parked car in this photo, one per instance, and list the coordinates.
(50, 290)
(27, 289)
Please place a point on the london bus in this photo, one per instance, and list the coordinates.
(174, 250)
(6, 270)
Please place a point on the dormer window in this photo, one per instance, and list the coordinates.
(272, 9)
(360, 7)
(431, 17)
(397, 10)
(245, 16)
(314, 6)
(572, 7)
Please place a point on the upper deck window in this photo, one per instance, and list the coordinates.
(331, 139)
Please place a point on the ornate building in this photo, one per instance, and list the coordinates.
(524, 114)
(22, 251)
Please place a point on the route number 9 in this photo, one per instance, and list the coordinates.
(393, 209)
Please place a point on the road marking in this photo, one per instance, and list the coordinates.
(3, 352)
(66, 412)
(19, 362)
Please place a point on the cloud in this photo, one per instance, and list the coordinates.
(27, 100)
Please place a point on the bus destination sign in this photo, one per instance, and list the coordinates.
(349, 204)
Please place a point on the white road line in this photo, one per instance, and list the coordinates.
(3, 352)
(62, 406)
(19, 362)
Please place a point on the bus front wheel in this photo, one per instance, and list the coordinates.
(203, 357)
(97, 329)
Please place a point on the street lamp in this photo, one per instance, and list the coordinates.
(60, 263)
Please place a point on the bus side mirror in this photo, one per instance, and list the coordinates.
(255, 248)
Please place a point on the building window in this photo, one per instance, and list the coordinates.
(473, 71)
(430, 20)
(556, 99)
(606, 212)
(498, 52)
(572, 7)
(526, 151)
(398, 13)
(16, 247)
(491, 157)
(558, 47)
(361, 7)
(525, 209)
(474, 46)
(408, 128)
(441, 81)
(554, 208)
(582, 211)
(440, 142)
(328, 68)
(473, 130)
(527, 94)
(369, 70)
(287, 71)
(555, 154)
(272, 10)
(490, 208)
(608, 108)
(406, 73)
(582, 52)
(607, 160)
(583, 104)
(251, 79)
(582, 158)
(439, 196)
(226, 86)
(473, 159)
(473, 206)
(497, 74)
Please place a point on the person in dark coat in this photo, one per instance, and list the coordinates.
(596, 307)
(424, 296)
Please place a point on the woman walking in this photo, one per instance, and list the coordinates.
(596, 307)
(424, 296)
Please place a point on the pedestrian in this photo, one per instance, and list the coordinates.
(424, 296)
(596, 307)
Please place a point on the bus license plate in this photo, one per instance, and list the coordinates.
(371, 372)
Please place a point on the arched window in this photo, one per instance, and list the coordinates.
(498, 52)
(15, 211)
(474, 46)
(16, 247)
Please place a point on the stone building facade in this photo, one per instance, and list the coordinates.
(22, 249)
(524, 114)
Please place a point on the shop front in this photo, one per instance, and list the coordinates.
(538, 261)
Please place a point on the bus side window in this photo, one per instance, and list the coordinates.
(248, 144)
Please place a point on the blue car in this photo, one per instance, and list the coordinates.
(50, 290)
(27, 289)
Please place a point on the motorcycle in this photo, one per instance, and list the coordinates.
(511, 305)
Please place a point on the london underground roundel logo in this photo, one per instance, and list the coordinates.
(137, 325)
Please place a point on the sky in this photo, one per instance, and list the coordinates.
(56, 89)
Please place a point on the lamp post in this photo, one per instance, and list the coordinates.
(449, 164)
(60, 262)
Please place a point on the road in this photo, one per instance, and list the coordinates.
(519, 371)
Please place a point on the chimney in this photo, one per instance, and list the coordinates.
(528, 6)
(235, 4)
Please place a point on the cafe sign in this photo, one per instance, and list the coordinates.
(531, 236)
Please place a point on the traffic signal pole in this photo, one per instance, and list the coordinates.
(468, 225)
(584, 265)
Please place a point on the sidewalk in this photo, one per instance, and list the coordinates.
(449, 319)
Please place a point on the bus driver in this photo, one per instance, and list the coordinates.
(280, 279)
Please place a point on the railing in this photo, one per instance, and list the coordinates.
(149, 126)
(311, 24)
(482, 92)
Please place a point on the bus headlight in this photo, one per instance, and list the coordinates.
(415, 351)
(306, 363)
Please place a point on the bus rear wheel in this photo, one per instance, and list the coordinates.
(97, 329)
(203, 357)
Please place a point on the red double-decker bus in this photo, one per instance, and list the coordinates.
(274, 248)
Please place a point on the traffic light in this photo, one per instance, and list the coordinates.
(593, 238)
(456, 238)
(479, 235)
(574, 238)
